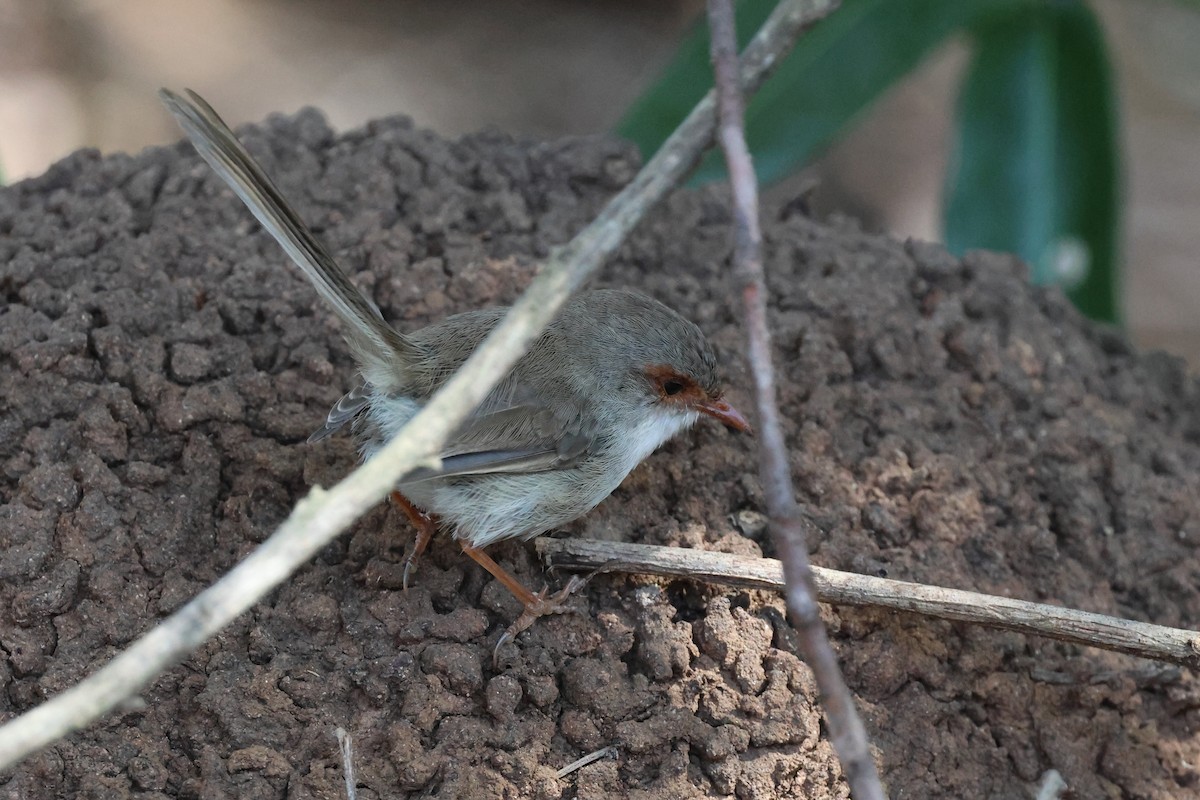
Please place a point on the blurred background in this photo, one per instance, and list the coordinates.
(83, 73)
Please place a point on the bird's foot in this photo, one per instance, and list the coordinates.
(541, 604)
(426, 526)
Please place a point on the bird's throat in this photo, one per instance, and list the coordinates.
(651, 431)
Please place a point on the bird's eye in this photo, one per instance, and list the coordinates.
(672, 387)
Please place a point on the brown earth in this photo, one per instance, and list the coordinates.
(161, 367)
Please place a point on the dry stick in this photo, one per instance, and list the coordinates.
(846, 730)
(1176, 645)
(322, 515)
(346, 746)
(590, 758)
(1052, 786)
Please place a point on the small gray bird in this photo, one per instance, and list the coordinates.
(615, 376)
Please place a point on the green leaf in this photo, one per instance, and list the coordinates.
(1035, 169)
(836, 70)
(660, 109)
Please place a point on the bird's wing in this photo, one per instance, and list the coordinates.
(514, 439)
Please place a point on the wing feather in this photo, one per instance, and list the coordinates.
(515, 440)
(347, 408)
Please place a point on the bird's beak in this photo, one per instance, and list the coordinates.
(726, 414)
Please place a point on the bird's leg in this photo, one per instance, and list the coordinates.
(426, 526)
(536, 605)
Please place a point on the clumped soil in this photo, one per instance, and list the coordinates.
(161, 366)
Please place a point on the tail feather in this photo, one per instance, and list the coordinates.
(384, 353)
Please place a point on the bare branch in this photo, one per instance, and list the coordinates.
(1175, 645)
(346, 746)
(322, 515)
(846, 730)
(590, 758)
(1052, 786)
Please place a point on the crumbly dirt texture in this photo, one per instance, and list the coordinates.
(161, 365)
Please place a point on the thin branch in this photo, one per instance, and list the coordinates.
(346, 746)
(846, 730)
(1144, 639)
(322, 515)
(1052, 786)
(590, 758)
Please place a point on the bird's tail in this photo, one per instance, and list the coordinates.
(384, 353)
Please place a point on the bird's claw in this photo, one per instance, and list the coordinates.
(542, 605)
(410, 565)
(426, 526)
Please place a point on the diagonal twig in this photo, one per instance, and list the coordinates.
(590, 758)
(846, 730)
(323, 514)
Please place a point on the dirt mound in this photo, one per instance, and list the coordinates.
(161, 366)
